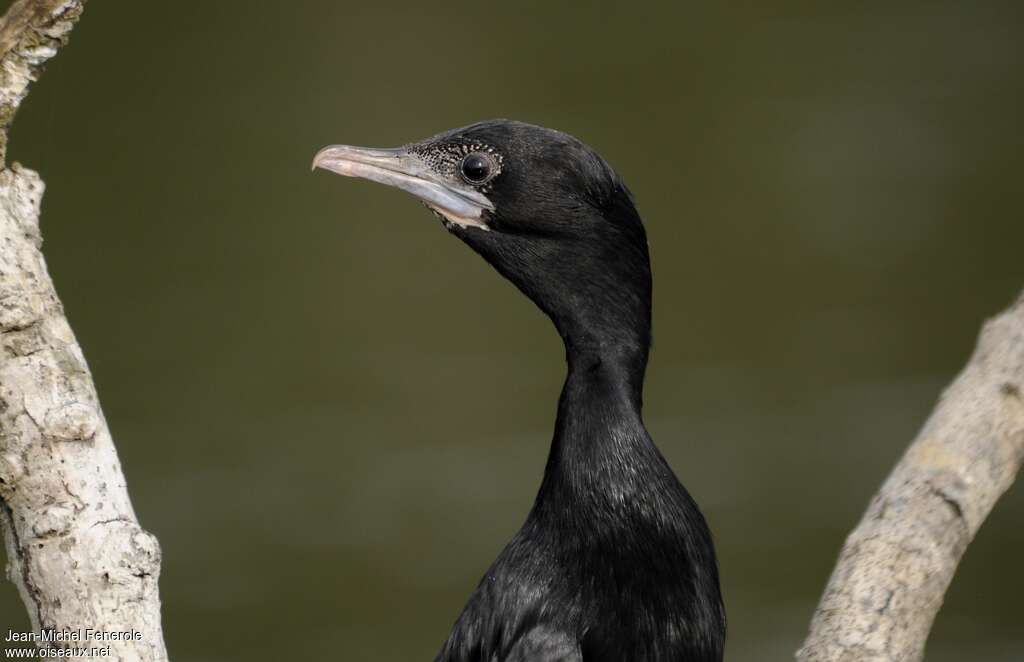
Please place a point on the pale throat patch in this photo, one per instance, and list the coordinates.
(458, 220)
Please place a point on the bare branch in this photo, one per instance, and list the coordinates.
(31, 33)
(75, 549)
(896, 565)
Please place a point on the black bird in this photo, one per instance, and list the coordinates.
(615, 562)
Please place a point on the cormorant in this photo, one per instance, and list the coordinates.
(615, 562)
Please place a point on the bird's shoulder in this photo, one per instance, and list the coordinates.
(523, 610)
(545, 644)
(539, 643)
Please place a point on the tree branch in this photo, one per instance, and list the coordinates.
(75, 549)
(896, 565)
(31, 33)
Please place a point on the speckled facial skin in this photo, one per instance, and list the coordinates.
(445, 157)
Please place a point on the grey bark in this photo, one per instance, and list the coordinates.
(75, 549)
(896, 565)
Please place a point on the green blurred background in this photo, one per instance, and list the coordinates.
(333, 415)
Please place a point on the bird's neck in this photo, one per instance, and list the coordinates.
(606, 331)
(604, 376)
(600, 442)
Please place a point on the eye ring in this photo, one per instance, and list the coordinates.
(477, 167)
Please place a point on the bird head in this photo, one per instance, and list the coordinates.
(542, 207)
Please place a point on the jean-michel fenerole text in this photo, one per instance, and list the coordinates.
(80, 634)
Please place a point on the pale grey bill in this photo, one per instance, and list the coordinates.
(397, 167)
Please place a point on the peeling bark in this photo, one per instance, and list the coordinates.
(75, 549)
(895, 567)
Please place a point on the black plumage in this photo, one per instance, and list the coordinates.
(615, 561)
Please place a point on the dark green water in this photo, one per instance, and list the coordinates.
(333, 415)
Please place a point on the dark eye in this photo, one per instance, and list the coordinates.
(477, 168)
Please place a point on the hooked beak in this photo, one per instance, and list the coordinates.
(458, 203)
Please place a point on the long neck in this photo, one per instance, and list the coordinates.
(600, 443)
